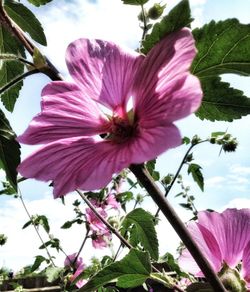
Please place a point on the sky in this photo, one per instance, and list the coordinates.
(227, 176)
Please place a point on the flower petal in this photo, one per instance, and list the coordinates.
(66, 112)
(231, 229)
(246, 264)
(103, 70)
(208, 246)
(74, 163)
(151, 142)
(164, 88)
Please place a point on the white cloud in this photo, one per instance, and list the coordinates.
(65, 22)
(215, 181)
(22, 244)
(240, 170)
(238, 203)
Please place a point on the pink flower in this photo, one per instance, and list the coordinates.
(78, 267)
(69, 261)
(101, 239)
(111, 202)
(223, 238)
(96, 224)
(72, 120)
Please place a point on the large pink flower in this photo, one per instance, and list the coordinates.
(223, 238)
(73, 120)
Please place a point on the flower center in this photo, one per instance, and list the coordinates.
(121, 130)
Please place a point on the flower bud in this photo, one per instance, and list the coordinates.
(167, 179)
(212, 140)
(3, 239)
(195, 140)
(230, 146)
(232, 280)
(156, 11)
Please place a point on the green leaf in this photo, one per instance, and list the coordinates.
(194, 169)
(38, 59)
(43, 220)
(27, 21)
(38, 261)
(177, 18)
(151, 169)
(135, 2)
(223, 47)
(133, 270)
(9, 151)
(53, 273)
(222, 102)
(142, 231)
(27, 224)
(39, 2)
(10, 69)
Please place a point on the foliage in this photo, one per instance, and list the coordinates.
(177, 18)
(139, 225)
(129, 272)
(222, 48)
(26, 20)
(9, 151)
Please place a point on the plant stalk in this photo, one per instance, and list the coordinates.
(145, 179)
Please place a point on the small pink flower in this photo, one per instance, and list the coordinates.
(79, 283)
(72, 121)
(101, 239)
(96, 224)
(78, 267)
(70, 260)
(223, 238)
(111, 202)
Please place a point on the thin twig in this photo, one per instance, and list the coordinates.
(18, 79)
(104, 221)
(178, 171)
(36, 229)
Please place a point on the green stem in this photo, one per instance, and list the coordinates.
(18, 79)
(81, 247)
(36, 229)
(145, 28)
(145, 179)
(178, 171)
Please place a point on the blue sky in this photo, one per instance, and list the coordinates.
(227, 177)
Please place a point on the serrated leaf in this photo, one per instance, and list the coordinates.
(53, 273)
(37, 263)
(39, 2)
(134, 269)
(143, 231)
(26, 20)
(222, 102)
(10, 69)
(177, 18)
(135, 2)
(194, 169)
(9, 151)
(223, 47)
